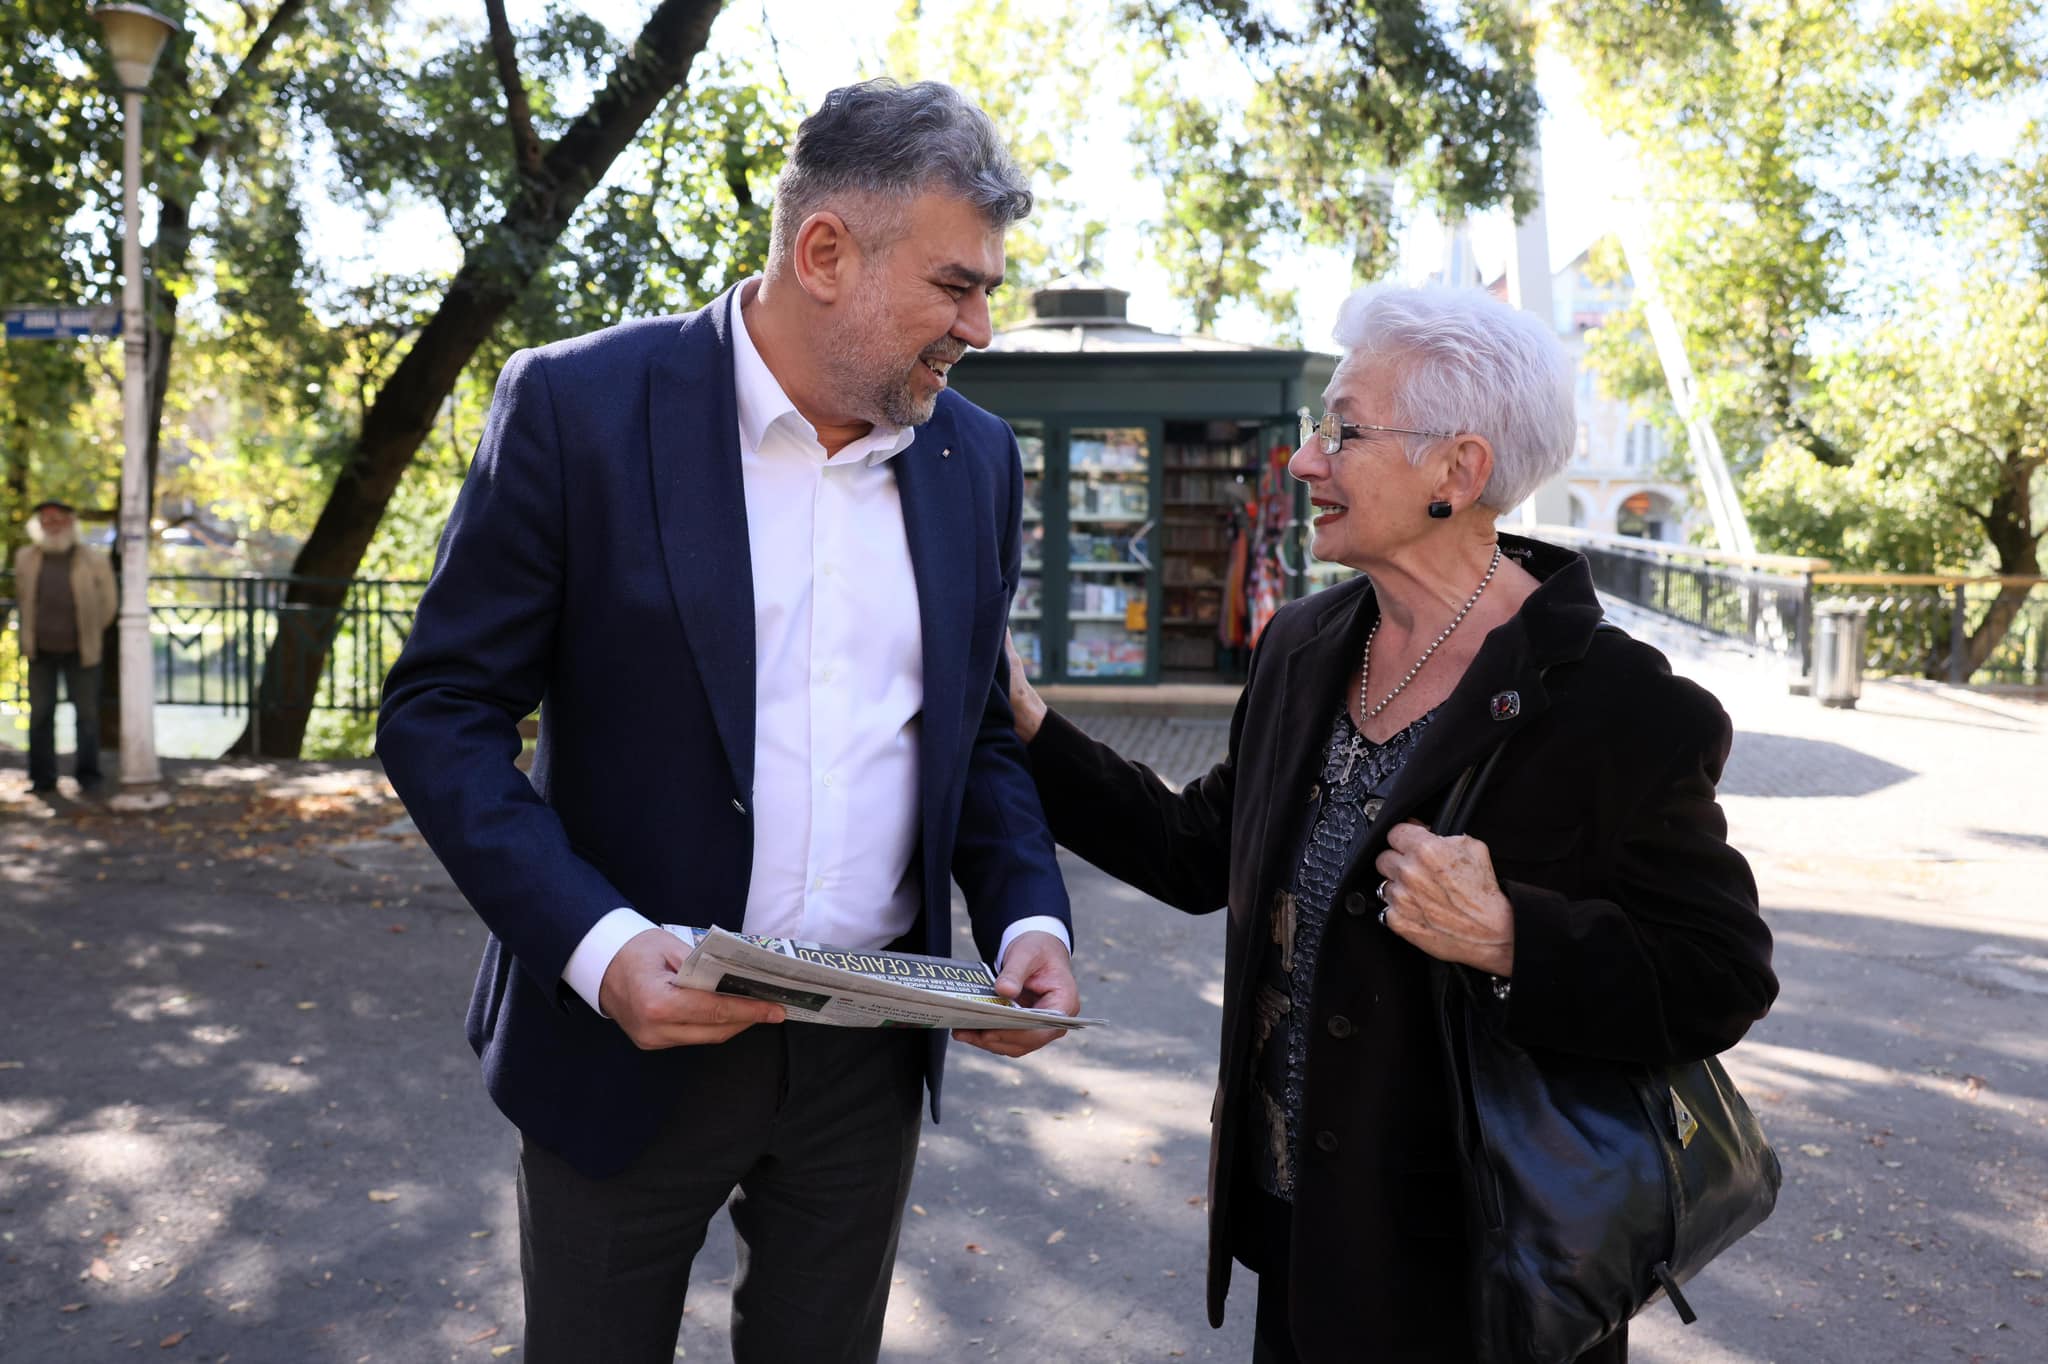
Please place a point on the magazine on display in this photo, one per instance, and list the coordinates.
(854, 988)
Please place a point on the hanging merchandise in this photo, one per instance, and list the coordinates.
(1267, 588)
(1231, 629)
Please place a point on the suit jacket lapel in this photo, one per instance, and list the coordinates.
(938, 512)
(701, 520)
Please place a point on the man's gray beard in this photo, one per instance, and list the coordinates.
(904, 406)
(853, 371)
(52, 542)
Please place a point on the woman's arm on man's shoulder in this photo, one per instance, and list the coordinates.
(1119, 814)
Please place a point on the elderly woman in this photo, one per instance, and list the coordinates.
(1596, 888)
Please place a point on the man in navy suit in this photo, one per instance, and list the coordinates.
(753, 564)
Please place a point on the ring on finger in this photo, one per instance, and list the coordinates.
(1385, 910)
(1381, 893)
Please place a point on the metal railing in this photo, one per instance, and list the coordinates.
(1921, 625)
(1927, 625)
(212, 638)
(1765, 601)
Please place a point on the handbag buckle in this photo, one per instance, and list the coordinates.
(1682, 1121)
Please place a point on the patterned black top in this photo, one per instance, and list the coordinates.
(1345, 801)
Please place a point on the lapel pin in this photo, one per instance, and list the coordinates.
(1506, 705)
(946, 453)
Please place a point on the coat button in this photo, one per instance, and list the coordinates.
(1340, 1026)
(1326, 1142)
(1358, 904)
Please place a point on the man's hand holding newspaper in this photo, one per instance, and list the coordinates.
(1033, 1000)
(1037, 974)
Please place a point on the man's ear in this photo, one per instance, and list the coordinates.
(1470, 469)
(825, 256)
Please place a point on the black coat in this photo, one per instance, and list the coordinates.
(1637, 932)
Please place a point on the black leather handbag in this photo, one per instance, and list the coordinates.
(1591, 1187)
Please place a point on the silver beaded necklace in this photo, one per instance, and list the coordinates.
(1365, 669)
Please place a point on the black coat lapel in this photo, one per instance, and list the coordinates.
(1502, 691)
(700, 508)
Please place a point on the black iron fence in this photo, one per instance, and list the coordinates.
(1921, 625)
(216, 641)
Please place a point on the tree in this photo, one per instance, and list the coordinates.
(509, 210)
(1267, 127)
(1861, 293)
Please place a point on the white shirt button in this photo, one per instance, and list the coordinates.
(828, 779)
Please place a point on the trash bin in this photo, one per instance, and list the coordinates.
(1838, 632)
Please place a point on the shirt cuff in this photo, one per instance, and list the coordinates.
(1037, 923)
(593, 956)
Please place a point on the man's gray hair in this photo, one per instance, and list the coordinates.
(871, 148)
(1462, 360)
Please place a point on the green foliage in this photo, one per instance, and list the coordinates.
(1268, 131)
(285, 331)
(1850, 200)
(1014, 60)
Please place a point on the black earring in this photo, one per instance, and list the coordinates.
(1440, 510)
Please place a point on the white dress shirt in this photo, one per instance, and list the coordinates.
(838, 687)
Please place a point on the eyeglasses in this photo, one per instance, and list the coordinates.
(1336, 431)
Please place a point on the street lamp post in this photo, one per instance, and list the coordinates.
(135, 39)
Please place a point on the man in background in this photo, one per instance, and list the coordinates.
(66, 601)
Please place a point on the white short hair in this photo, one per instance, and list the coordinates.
(1462, 360)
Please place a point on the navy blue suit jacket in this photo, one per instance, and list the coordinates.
(596, 564)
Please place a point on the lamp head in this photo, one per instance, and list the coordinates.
(136, 35)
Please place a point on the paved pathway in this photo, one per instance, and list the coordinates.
(237, 1118)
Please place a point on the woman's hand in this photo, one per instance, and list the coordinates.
(1441, 895)
(1026, 705)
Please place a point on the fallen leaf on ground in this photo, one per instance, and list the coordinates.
(1056, 1237)
(973, 1249)
(1809, 1148)
(481, 1336)
(72, 1307)
(383, 1196)
(100, 1270)
(500, 1351)
(172, 1339)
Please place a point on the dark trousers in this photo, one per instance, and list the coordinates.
(82, 686)
(812, 1133)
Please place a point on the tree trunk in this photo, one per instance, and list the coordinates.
(2009, 526)
(491, 279)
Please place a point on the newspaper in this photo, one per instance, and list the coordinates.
(854, 989)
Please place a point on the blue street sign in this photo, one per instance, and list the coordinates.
(50, 324)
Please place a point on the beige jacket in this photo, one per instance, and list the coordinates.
(92, 591)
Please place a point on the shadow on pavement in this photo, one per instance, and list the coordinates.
(1785, 765)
